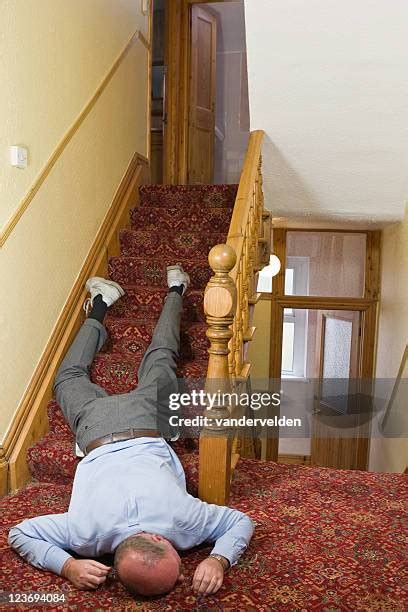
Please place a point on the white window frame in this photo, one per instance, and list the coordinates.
(300, 267)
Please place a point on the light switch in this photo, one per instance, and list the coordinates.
(19, 156)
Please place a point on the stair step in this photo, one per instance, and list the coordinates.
(152, 273)
(117, 373)
(179, 246)
(53, 459)
(132, 337)
(56, 420)
(213, 196)
(147, 303)
(180, 219)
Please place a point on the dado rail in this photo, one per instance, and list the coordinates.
(228, 303)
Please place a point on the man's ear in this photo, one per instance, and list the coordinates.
(180, 579)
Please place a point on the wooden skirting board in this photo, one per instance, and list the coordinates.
(30, 422)
(294, 459)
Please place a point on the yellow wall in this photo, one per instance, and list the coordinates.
(53, 56)
(391, 455)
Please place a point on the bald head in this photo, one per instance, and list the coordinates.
(147, 564)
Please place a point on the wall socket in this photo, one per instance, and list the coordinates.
(19, 156)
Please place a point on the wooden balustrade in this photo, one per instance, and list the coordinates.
(228, 303)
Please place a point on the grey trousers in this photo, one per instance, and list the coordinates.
(91, 412)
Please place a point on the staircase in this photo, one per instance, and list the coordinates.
(324, 539)
(172, 224)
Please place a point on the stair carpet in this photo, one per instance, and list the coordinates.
(171, 225)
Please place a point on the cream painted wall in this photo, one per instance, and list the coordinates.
(64, 51)
(391, 455)
(259, 348)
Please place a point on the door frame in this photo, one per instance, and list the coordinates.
(178, 61)
(367, 305)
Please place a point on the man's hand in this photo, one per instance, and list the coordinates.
(85, 573)
(208, 577)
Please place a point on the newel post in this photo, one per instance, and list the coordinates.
(216, 439)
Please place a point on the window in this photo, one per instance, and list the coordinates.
(294, 342)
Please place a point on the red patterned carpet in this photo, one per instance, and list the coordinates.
(325, 540)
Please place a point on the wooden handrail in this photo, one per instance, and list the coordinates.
(228, 302)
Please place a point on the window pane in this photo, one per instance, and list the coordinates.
(289, 275)
(337, 348)
(330, 263)
(287, 346)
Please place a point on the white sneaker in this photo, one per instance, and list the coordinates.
(109, 290)
(176, 277)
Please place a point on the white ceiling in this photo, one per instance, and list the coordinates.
(328, 82)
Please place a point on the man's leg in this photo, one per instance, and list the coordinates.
(161, 354)
(157, 372)
(73, 387)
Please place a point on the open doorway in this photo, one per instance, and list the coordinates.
(200, 109)
(218, 93)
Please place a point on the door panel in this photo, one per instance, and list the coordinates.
(340, 429)
(202, 97)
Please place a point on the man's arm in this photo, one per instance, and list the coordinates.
(41, 541)
(232, 531)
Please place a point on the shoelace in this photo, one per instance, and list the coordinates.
(87, 305)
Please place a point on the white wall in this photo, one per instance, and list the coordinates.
(328, 84)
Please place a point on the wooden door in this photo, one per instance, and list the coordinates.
(340, 422)
(201, 128)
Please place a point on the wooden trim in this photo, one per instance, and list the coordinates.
(3, 474)
(331, 230)
(149, 47)
(270, 445)
(243, 199)
(373, 266)
(30, 422)
(294, 459)
(173, 49)
(144, 41)
(368, 340)
(323, 303)
(24, 204)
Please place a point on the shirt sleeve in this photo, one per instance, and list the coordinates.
(231, 531)
(41, 541)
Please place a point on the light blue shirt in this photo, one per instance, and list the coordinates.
(126, 488)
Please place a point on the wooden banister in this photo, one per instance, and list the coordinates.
(228, 303)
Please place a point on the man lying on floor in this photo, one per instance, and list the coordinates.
(129, 494)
